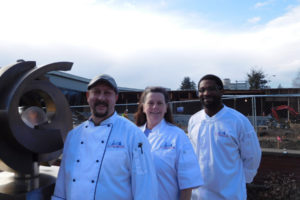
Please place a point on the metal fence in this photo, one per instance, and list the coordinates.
(274, 117)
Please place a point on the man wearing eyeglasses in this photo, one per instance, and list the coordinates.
(225, 143)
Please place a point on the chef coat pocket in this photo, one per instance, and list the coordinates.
(139, 162)
(166, 155)
(225, 139)
(116, 160)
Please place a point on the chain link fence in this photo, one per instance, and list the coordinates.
(275, 118)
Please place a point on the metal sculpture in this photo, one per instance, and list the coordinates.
(23, 147)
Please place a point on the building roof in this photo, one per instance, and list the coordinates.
(77, 83)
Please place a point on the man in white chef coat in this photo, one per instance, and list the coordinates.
(225, 143)
(106, 157)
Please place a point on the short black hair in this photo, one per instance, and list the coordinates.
(213, 78)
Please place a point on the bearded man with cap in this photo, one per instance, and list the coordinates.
(106, 157)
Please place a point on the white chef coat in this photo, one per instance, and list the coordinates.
(175, 161)
(111, 161)
(228, 151)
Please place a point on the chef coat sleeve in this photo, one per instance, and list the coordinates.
(60, 187)
(188, 170)
(59, 192)
(190, 136)
(144, 181)
(250, 151)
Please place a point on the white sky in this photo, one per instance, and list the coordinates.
(157, 42)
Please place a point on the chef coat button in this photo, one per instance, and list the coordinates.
(86, 126)
(81, 142)
(102, 141)
(78, 160)
(74, 180)
(93, 181)
(97, 160)
(108, 125)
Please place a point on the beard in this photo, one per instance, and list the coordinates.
(212, 104)
(98, 114)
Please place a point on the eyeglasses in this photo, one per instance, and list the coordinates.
(209, 89)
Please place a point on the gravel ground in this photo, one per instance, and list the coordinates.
(274, 186)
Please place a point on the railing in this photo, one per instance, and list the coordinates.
(282, 132)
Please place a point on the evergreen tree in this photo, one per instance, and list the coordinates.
(257, 79)
(187, 84)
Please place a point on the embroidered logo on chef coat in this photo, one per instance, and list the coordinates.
(167, 145)
(222, 134)
(115, 144)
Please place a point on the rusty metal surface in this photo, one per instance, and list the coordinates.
(23, 85)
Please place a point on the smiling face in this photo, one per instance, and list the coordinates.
(102, 100)
(210, 94)
(155, 108)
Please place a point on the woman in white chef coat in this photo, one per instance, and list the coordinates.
(176, 165)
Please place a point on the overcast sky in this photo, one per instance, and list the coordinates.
(144, 43)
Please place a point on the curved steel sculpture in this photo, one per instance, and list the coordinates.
(22, 147)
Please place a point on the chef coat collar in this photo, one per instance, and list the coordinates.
(217, 115)
(109, 120)
(156, 128)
